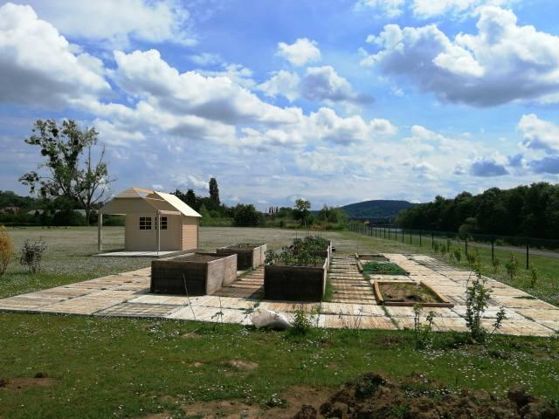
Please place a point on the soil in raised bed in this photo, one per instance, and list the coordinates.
(196, 258)
(407, 293)
(377, 268)
(244, 246)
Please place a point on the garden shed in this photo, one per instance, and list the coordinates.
(154, 221)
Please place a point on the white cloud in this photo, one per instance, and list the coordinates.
(38, 65)
(433, 8)
(389, 8)
(325, 84)
(538, 134)
(301, 52)
(144, 74)
(502, 63)
(206, 59)
(488, 167)
(116, 22)
(425, 9)
(318, 84)
(282, 83)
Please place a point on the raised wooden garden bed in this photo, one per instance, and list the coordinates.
(200, 274)
(249, 255)
(372, 257)
(408, 293)
(297, 283)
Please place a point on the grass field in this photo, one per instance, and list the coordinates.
(101, 367)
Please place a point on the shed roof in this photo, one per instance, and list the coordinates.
(127, 202)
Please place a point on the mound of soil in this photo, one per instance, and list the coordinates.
(373, 396)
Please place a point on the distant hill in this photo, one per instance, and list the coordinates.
(376, 209)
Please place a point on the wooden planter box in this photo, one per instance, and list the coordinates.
(249, 256)
(297, 283)
(203, 274)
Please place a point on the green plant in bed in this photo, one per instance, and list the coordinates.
(383, 268)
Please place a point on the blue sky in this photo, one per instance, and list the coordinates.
(333, 101)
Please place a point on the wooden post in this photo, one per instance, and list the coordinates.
(158, 232)
(527, 254)
(99, 233)
(492, 249)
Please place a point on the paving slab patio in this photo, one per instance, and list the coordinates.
(353, 304)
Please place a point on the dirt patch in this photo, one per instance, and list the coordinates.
(22, 383)
(241, 364)
(291, 401)
(372, 395)
(407, 293)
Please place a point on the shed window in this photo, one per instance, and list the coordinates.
(163, 221)
(145, 223)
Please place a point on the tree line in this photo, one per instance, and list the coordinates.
(530, 211)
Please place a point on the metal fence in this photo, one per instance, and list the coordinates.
(527, 246)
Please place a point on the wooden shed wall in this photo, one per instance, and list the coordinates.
(190, 233)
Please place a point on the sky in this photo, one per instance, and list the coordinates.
(333, 101)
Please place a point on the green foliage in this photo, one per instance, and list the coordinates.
(457, 253)
(477, 301)
(533, 277)
(529, 211)
(31, 254)
(383, 268)
(74, 171)
(473, 259)
(309, 251)
(301, 211)
(422, 332)
(214, 191)
(246, 216)
(496, 264)
(302, 322)
(6, 249)
(512, 267)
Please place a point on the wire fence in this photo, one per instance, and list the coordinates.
(526, 246)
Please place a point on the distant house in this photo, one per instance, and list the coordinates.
(154, 221)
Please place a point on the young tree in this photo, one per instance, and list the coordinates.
(71, 171)
(190, 199)
(214, 191)
(302, 210)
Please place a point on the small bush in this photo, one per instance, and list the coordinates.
(533, 277)
(477, 301)
(457, 255)
(383, 268)
(302, 322)
(422, 332)
(6, 249)
(496, 262)
(32, 254)
(512, 267)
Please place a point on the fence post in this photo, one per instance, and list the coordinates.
(492, 249)
(466, 246)
(432, 240)
(403, 235)
(527, 253)
(419, 238)
(411, 237)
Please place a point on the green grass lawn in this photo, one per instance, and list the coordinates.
(102, 367)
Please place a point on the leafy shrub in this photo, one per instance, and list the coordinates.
(6, 249)
(32, 254)
(302, 322)
(477, 300)
(457, 255)
(302, 252)
(496, 262)
(422, 332)
(512, 267)
(533, 277)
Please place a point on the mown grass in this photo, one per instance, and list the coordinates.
(545, 288)
(131, 367)
(102, 367)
